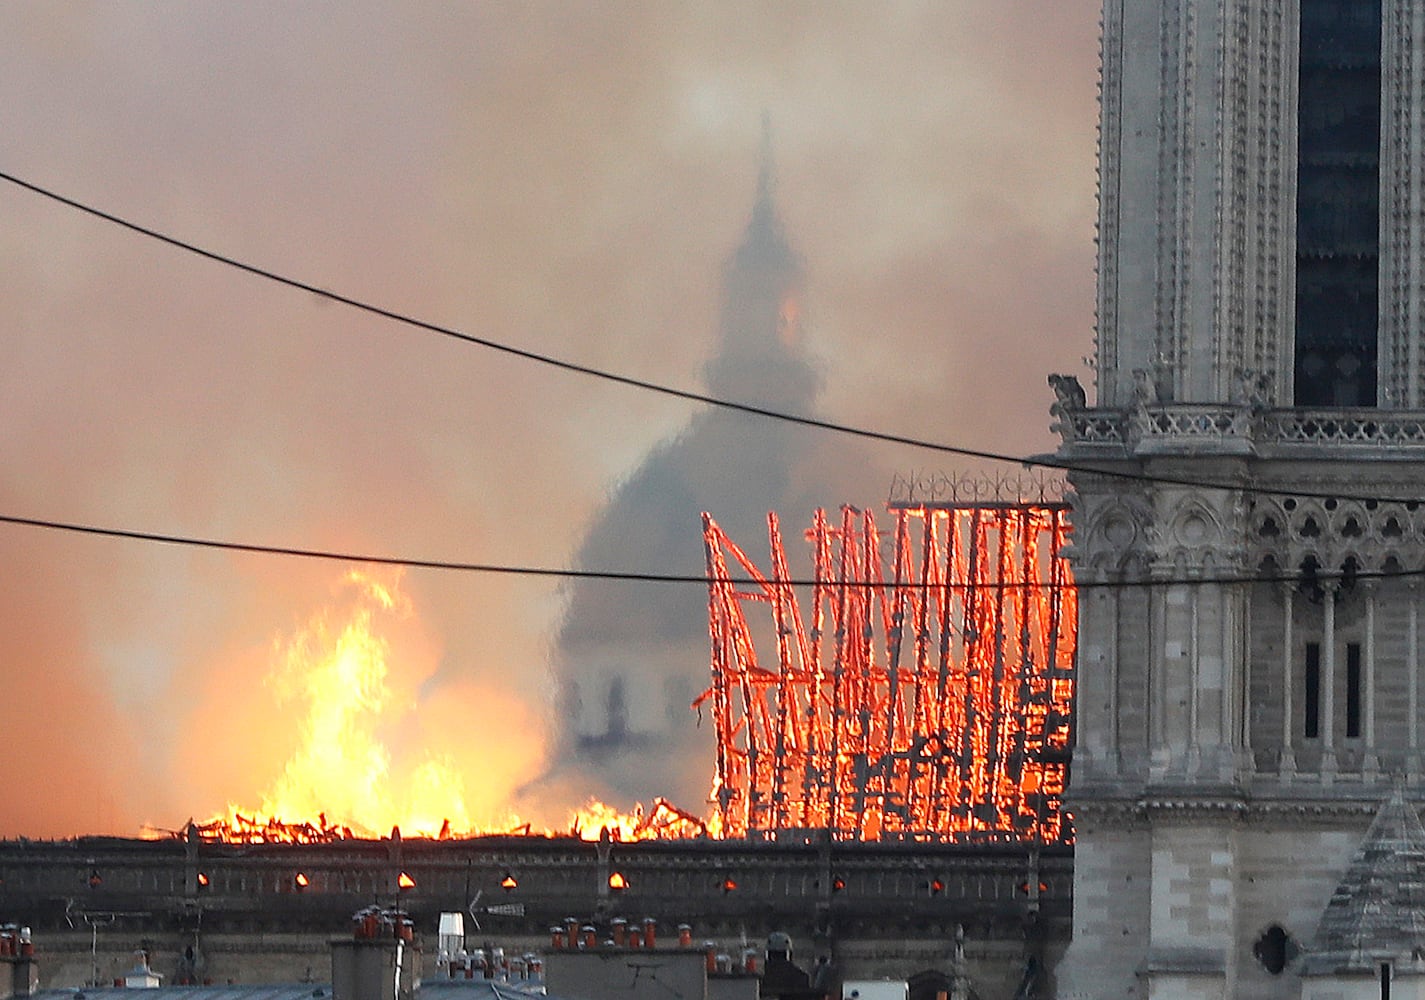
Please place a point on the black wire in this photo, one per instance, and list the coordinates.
(335, 556)
(703, 579)
(492, 568)
(666, 390)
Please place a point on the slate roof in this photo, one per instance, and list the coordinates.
(1378, 909)
(430, 989)
(279, 991)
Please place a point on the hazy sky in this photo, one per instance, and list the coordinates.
(565, 177)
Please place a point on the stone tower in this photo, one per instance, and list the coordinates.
(631, 657)
(1250, 491)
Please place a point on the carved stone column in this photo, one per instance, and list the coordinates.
(1412, 674)
(1288, 754)
(1370, 762)
(1328, 683)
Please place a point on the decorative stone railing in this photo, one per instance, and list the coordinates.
(1093, 427)
(1192, 427)
(1370, 428)
(1040, 486)
(1168, 426)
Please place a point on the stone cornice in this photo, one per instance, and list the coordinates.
(1214, 806)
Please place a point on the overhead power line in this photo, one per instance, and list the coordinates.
(330, 555)
(667, 390)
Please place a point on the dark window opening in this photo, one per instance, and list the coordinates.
(1338, 203)
(1311, 724)
(1353, 690)
(1274, 949)
(1385, 978)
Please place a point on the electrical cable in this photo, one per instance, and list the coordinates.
(1043, 462)
(329, 555)
(1046, 462)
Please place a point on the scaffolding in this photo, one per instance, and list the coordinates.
(918, 686)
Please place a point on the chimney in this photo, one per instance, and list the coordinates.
(19, 974)
(383, 966)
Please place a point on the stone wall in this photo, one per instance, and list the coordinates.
(251, 924)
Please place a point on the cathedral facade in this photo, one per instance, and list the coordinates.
(1249, 508)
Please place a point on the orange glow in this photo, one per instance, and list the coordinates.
(404, 881)
(929, 701)
(337, 675)
(352, 674)
(664, 821)
(617, 882)
(509, 883)
(931, 705)
(301, 881)
(789, 322)
(341, 673)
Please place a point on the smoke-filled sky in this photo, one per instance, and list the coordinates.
(564, 177)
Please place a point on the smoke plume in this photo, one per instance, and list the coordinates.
(567, 178)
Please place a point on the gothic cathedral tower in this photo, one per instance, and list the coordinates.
(1249, 507)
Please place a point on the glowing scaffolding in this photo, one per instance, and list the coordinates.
(933, 704)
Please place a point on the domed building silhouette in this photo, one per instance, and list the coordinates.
(631, 657)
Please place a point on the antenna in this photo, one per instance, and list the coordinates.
(493, 910)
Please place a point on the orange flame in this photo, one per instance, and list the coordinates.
(337, 673)
(664, 822)
(348, 778)
(941, 712)
(343, 765)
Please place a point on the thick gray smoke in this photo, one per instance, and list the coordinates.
(565, 178)
(632, 656)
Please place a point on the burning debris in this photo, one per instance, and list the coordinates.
(917, 687)
(664, 821)
(236, 828)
